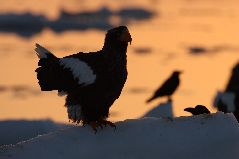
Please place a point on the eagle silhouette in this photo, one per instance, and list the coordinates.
(91, 81)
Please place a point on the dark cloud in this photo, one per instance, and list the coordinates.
(137, 90)
(28, 24)
(142, 50)
(198, 50)
(3, 88)
(21, 91)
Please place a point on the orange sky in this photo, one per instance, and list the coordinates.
(177, 26)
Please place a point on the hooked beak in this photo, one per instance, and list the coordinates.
(125, 36)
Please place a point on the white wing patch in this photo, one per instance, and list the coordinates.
(228, 99)
(80, 70)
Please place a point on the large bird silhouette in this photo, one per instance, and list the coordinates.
(92, 81)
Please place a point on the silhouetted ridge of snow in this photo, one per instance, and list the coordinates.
(214, 136)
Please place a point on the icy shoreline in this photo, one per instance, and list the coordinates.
(198, 137)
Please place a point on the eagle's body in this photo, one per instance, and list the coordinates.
(91, 81)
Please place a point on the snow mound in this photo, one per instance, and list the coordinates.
(161, 110)
(214, 136)
(14, 131)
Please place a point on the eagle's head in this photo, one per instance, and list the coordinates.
(119, 34)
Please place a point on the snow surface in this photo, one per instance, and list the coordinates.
(161, 110)
(214, 136)
(14, 131)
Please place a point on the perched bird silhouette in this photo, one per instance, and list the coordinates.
(228, 100)
(92, 81)
(168, 87)
(199, 109)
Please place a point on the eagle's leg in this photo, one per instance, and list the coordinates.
(84, 123)
(170, 99)
(98, 124)
(106, 122)
(94, 125)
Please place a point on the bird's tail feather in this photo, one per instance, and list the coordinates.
(42, 52)
(47, 70)
(150, 99)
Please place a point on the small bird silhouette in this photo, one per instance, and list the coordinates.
(168, 87)
(199, 109)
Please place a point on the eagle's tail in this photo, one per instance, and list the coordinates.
(47, 70)
(43, 52)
